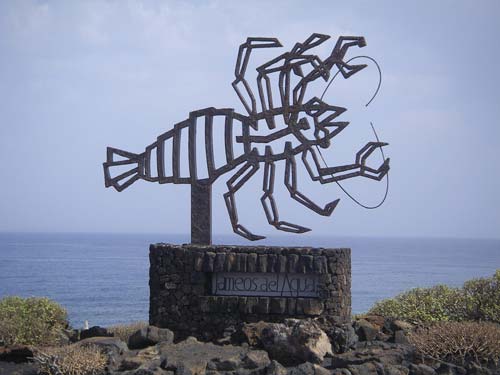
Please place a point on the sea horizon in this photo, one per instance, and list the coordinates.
(103, 277)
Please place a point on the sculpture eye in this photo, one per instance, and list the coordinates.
(314, 107)
(304, 124)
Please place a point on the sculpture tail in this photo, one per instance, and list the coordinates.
(128, 165)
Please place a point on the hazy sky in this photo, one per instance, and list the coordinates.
(76, 77)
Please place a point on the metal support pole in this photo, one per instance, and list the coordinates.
(201, 214)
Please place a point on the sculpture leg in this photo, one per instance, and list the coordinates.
(269, 203)
(233, 185)
(291, 185)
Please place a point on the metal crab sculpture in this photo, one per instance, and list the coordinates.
(304, 125)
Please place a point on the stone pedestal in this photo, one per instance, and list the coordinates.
(202, 290)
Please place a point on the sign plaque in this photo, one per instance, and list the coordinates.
(265, 284)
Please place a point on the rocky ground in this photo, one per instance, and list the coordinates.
(372, 345)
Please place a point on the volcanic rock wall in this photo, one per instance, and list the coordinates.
(259, 283)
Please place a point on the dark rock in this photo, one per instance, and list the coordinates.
(208, 262)
(157, 335)
(445, 368)
(128, 364)
(381, 336)
(148, 336)
(107, 343)
(224, 364)
(341, 371)
(400, 337)
(292, 342)
(72, 334)
(252, 332)
(16, 353)
(312, 307)
(397, 325)
(275, 368)
(384, 353)
(396, 370)
(220, 259)
(308, 369)
(342, 338)
(376, 320)
(365, 330)
(11, 368)
(252, 262)
(95, 331)
(256, 359)
(369, 368)
(145, 371)
(475, 369)
(192, 356)
(262, 306)
(262, 263)
(143, 360)
(113, 347)
(421, 369)
(277, 306)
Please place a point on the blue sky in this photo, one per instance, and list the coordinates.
(76, 77)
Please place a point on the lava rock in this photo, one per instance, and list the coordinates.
(445, 368)
(16, 353)
(365, 330)
(275, 368)
(401, 325)
(400, 337)
(11, 368)
(192, 356)
(149, 336)
(292, 342)
(95, 331)
(113, 347)
(385, 353)
(421, 370)
(342, 338)
(396, 370)
(369, 368)
(308, 369)
(256, 359)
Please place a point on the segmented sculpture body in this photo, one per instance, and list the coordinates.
(296, 121)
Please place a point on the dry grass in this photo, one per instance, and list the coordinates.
(459, 342)
(71, 360)
(124, 331)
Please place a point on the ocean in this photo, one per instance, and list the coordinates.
(103, 278)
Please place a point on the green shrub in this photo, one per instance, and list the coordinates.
(482, 298)
(71, 360)
(459, 342)
(477, 300)
(31, 321)
(439, 303)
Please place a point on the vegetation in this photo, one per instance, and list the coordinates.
(477, 300)
(459, 342)
(72, 360)
(124, 331)
(31, 321)
(482, 298)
